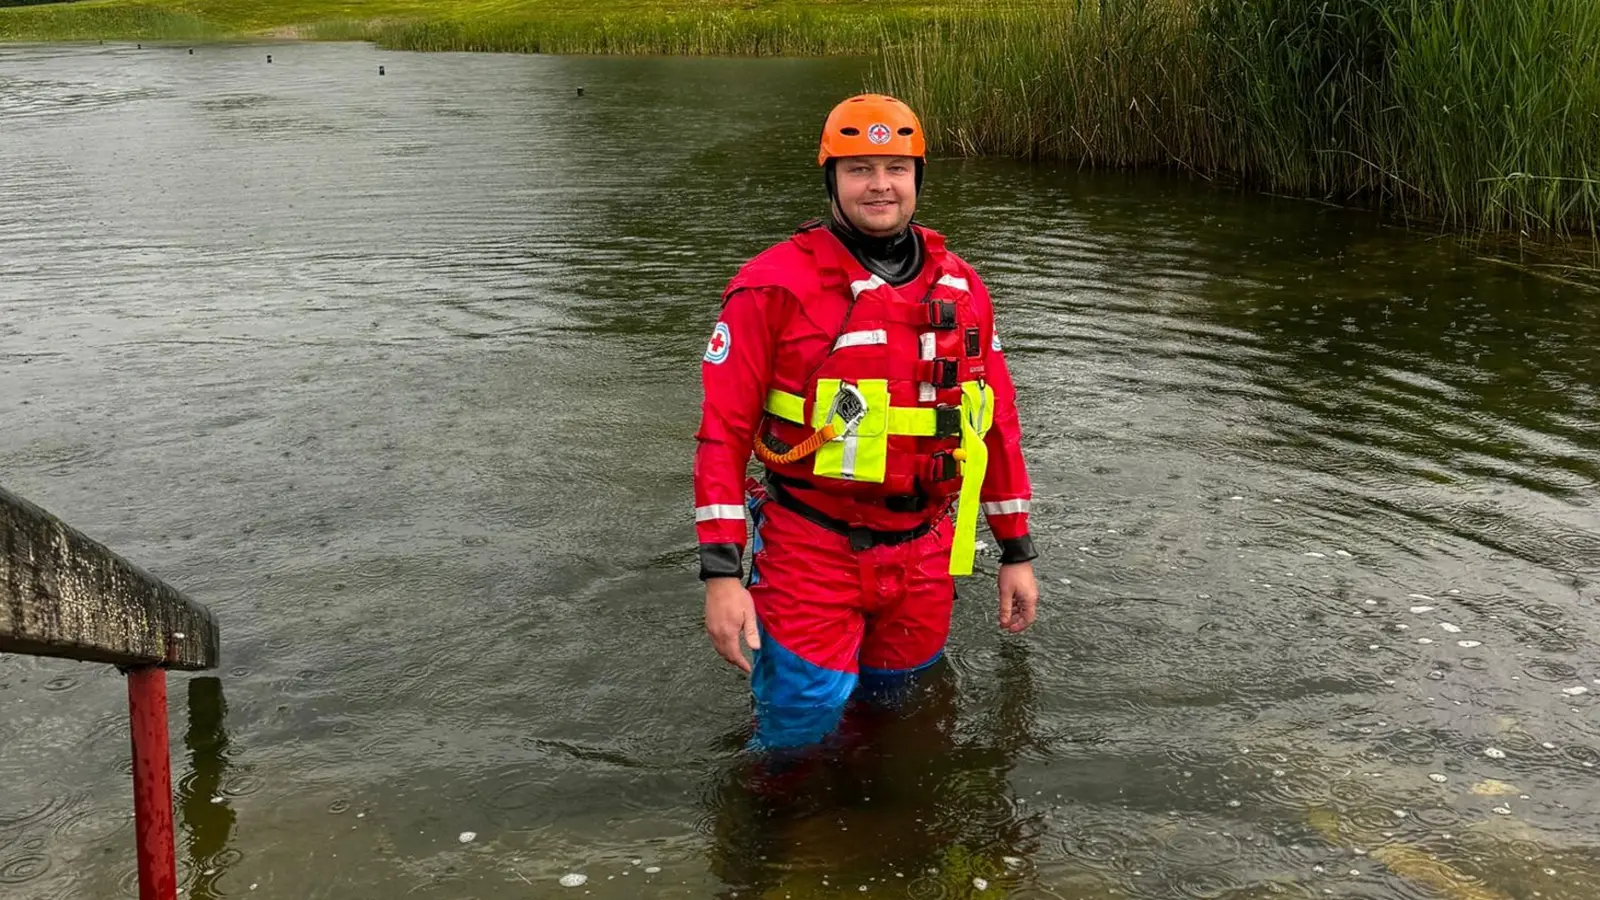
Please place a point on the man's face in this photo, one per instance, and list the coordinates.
(878, 194)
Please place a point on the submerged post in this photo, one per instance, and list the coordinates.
(152, 784)
(64, 594)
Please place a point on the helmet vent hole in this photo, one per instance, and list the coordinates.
(850, 130)
(906, 131)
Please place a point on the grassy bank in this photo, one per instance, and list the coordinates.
(708, 27)
(1478, 115)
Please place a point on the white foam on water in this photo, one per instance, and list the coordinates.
(1438, 778)
(1453, 629)
(651, 870)
(1494, 753)
(1343, 553)
(1503, 810)
(980, 884)
(467, 837)
(1575, 691)
(1424, 597)
(1419, 610)
(1315, 555)
(1469, 644)
(1424, 640)
(574, 879)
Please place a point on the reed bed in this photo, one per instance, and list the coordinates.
(1475, 115)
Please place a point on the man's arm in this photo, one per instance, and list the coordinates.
(1006, 494)
(734, 373)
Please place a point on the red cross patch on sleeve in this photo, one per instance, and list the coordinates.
(717, 348)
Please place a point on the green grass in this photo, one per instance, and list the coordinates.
(122, 21)
(720, 27)
(779, 32)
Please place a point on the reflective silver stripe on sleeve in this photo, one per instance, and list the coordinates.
(959, 284)
(1006, 507)
(718, 511)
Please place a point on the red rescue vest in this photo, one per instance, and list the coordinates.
(915, 362)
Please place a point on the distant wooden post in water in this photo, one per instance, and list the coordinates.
(63, 594)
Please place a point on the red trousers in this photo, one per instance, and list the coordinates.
(832, 616)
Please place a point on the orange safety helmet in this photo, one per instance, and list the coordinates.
(871, 125)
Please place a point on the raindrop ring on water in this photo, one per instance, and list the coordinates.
(19, 869)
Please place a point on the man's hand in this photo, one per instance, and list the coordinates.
(730, 613)
(1019, 597)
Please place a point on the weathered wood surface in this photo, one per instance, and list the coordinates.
(63, 594)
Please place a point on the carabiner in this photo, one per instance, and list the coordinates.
(849, 405)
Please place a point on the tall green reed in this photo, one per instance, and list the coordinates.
(1473, 113)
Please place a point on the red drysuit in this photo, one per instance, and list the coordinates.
(855, 544)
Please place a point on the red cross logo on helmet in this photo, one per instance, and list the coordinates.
(878, 134)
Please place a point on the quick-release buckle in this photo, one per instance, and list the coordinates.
(942, 314)
(947, 422)
(944, 372)
(905, 503)
(943, 466)
(861, 539)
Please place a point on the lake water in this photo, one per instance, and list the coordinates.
(399, 375)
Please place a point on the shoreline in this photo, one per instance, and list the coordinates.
(1032, 83)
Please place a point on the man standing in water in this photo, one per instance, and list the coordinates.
(859, 360)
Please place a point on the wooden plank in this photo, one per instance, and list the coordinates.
(63, 594)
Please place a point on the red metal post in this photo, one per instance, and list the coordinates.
(152, 783)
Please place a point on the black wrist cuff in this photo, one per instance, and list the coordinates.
(720, 561)
(1017, 549)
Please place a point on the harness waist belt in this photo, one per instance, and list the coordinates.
(860, 538)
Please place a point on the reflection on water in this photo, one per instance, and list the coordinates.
(903, 788)
(204, 816)
(400, 375)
